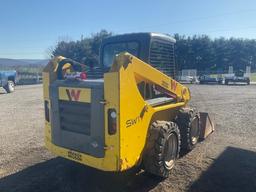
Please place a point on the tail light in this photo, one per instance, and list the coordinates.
(46, 111)
(83, 75)
(112, 122)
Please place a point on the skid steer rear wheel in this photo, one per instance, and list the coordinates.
(162, 148)
(189, 124)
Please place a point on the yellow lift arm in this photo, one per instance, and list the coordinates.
(145, 72)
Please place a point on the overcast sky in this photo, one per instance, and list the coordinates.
(29, 27)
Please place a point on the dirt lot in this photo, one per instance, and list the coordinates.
(226, 161)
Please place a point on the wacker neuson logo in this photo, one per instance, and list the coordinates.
(73, 95)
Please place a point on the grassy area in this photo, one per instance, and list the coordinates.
(253, 77)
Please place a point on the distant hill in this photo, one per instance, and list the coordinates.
(5, 62)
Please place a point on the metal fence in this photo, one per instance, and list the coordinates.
(25, 78)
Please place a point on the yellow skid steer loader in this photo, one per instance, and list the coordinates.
(129, 111)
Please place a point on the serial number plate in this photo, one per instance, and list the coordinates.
(74, 155)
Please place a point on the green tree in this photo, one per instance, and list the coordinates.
(191, 52)
(85, 50)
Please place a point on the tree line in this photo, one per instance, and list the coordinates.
(191, 52)
(203, 53)
(85, 50)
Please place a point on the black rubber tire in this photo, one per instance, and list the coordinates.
(248, 82)
(188, 121)
(163, 137)
(9, 87)
(226, 82)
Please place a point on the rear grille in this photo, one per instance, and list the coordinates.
(95, 73)
(162, 57)
(75, 116)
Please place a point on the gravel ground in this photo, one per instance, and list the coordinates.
(226, 161)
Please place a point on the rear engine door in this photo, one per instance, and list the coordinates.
(78, 116)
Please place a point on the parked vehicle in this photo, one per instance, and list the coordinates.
(187, 79)
(238, 77)
(8, 80)
(206, 79)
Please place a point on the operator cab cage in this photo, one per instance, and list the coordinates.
(153, 48)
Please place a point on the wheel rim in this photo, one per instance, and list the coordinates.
(11, 86)
(170, 151)
(194, 131)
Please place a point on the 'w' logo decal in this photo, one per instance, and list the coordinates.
(73, 95)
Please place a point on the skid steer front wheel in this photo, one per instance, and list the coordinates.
(189, 124)
(162, 148)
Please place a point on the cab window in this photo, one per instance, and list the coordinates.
(111, 50)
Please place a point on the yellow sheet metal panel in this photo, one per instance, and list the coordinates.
(46, 82)
(47, 132)
(112, 101)
(105, 164)
(135, 113)
(75, 94)
(135, 116)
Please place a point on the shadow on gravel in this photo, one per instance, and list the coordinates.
(234, 170)
(62, 175)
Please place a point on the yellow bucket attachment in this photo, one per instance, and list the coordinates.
(207, 125)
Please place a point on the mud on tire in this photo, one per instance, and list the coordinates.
(188, 121)
(162, 148)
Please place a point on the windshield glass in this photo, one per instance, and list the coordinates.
(110, 50)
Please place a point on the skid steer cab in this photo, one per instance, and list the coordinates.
(127, 112)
